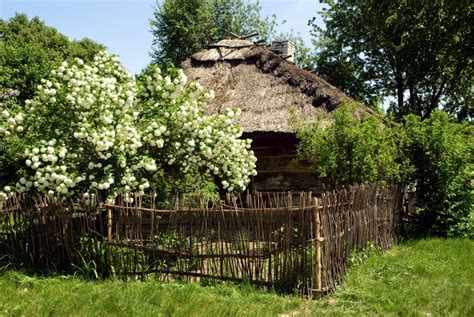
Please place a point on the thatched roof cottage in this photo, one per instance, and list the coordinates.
(265, 86)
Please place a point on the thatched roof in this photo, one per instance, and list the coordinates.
(262, 84)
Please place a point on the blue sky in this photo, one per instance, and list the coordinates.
(123, 25)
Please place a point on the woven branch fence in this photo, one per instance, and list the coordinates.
(290, 243)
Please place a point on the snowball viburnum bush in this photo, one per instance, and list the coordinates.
(189, 138)
(94, 128)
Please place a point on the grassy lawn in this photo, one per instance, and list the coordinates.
(421, 278)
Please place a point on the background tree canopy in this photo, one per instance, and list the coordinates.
(419, 52)
(29, 50)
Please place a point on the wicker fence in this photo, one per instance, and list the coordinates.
(292, 243)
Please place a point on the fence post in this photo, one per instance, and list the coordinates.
(318, 267)
(109, 238)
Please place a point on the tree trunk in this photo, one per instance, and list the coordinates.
(413, 102)
(400, 89)
(435, 98)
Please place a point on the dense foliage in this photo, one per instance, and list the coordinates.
(349, 147)
(432, 156)
(93, 128)
(180, 28)
(29, 50)
(439, 159)
(417, 52)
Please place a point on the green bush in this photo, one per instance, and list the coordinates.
(438, 153)
(433, 156)
(349, 147)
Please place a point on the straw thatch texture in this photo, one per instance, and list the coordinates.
(262, 84)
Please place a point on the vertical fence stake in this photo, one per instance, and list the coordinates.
(109, 238)
(318, 272)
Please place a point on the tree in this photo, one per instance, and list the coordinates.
(29, 50)
(91, 128)
(438, 154)
(348, 147)
(419, 52)
(182, 27)
(241, 17)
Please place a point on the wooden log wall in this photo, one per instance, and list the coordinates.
(277, 165)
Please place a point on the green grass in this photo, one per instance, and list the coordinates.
(420, 278)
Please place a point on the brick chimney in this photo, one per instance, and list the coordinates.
(285, 49)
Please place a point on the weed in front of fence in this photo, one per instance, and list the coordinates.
(359, 257)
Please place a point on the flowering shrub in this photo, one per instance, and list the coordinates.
(94, 128)
(191, 139)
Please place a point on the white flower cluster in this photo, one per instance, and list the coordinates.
(92, 128)
(10, 122)
(193, 139)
